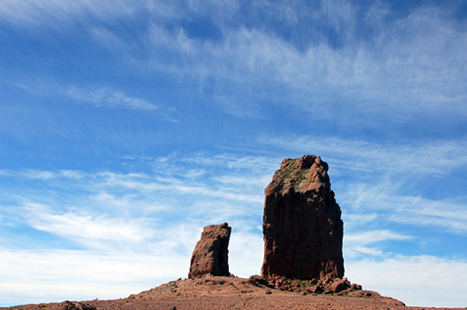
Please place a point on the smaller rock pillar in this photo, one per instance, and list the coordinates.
(210, 255)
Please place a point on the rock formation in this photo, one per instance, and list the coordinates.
(210, 255)
(302, 223)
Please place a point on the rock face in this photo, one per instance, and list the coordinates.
(302, 223)
(210, 255)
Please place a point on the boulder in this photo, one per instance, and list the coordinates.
(73, 305)
(302, 224)
(339, 285)
(257, 280)
(210, 255)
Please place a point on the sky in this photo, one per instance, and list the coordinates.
(126, 126)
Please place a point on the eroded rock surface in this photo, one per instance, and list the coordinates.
(210, 255)
(302, 223)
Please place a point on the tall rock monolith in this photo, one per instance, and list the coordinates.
(302, 223)
(210, 255)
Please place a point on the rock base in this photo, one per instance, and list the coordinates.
(334, 286)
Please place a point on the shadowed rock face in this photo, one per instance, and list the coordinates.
(210, 255)
(302, 223)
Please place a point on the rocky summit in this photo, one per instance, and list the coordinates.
(302, 223)
(210, 255)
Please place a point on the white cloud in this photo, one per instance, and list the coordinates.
(246, 165)
(355, 251)
(398, 65)
(108, 97)
(46, 175)
(111, 210)
(373, 236)
(357, 243)
(359, 219)
(431, 157)
(33, 276)
(42, 174)
(98, 97)
(357, 79)
(260, 181)
(178, 185)
(417, 280)
(56, 12)
(95, 231)
(245, 253)
(384, 199)
(125, 202)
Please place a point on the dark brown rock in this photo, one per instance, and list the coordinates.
(210, 255)
(302, 223)
(339, 285)
(257, 280)
(69, 305)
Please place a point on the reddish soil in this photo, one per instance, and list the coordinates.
(228, 293)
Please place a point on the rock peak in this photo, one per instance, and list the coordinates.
(302, 223)
(304, 174)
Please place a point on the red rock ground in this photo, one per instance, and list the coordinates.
(228, 293)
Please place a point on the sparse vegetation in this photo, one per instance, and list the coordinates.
(286, 174)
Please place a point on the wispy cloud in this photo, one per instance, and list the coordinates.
(395, 65)
(98, 97)
(358, 243)
(180, 186)
(89, 229)
(373, 236)
(108, 97)
(249, 65)
(43, 174)
(113, 209)
(416, 158)
(51, 275)
(359, 250)
(55, 12)
(385, 200)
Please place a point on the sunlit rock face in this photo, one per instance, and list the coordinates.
(302, 223)
(210, 255)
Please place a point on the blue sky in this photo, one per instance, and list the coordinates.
(126, 126)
